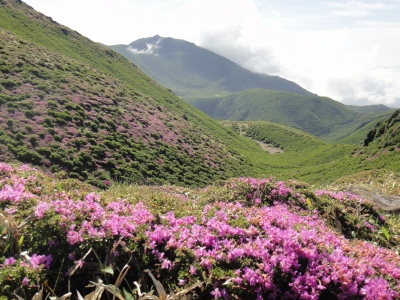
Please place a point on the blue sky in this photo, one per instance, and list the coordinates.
(346, 50)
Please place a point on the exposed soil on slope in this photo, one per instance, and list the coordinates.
(269, 147)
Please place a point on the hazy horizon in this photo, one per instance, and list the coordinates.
(345, 50)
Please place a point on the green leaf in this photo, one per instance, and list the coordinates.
(385, 232)
(108, 270)
(127, 295)
(21, 240)
(6, 248)
(59, 188)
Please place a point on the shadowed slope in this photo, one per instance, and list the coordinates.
(191, 70)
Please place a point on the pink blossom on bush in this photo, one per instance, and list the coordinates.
(216, 293)
(25, 281)
(38, 261)
(10, 261)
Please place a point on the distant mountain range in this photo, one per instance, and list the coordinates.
(189, 70)
(320, 116)
(226, 91)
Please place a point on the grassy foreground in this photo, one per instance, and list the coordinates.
(244, 238)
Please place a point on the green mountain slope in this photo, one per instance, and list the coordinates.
(369, 108)
(386, 133)
(361, 129)
(287, 138)
(81, 110)
(309, 159)
(190, 70)
(320, 116)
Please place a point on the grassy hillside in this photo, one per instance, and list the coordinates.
(170, 222)
(278, 135)
(190, 70)
(312, 160)
(361, 129)
(369, 108)
(81, 110)
(84, 111)
(320, 116)
(385, 134)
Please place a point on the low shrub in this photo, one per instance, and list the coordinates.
(242, 239)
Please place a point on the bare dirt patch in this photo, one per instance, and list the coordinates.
(269, 148)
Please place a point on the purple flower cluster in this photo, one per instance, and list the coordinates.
(12, 186)
(266, 190)
(9, 261)
(15, 193)
(88, 218)
(5, 169)
(273, 243)
(34, 262)
(339, 196)
(37, 261)
(265, 252)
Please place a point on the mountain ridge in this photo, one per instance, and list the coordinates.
(187, 68)
(203, 78)
(321, 116)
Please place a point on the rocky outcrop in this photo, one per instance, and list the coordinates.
(387, 202)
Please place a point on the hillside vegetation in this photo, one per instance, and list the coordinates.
(243, 238)
(84, 111)
(227, 91)
(136, 194)
(80, 110)
(309, 159)
(320, 116)
(385, 134)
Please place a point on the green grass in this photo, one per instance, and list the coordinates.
(79, 86)
(309, 159)
(83, 111)
(320, 116)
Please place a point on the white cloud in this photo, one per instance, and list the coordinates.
(150, 48)
(346, 50)
(356, 8)
(350, 64)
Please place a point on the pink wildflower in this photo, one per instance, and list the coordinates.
(167, 264)
(193, 270)
(216, 293)
(182, 281)
(9, 261)
(25, 281)
(41, 260)
(370, 226)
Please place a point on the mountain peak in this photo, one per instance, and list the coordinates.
(188, 69)
(146, 45)
(161, 45)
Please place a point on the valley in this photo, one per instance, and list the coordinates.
(127, 178)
